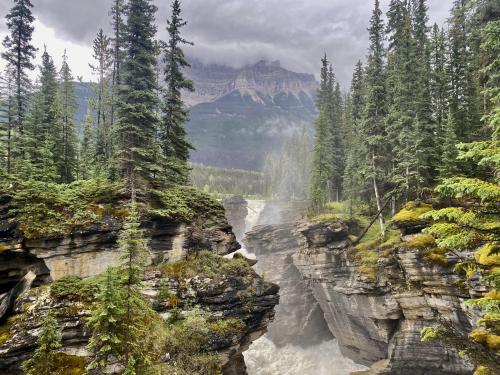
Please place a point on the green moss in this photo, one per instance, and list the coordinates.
(45, 210)
(421, 242)
(186, 204)
(207, 264)
(486, 338)
(66, 364)
(74, 288)
(192, 341)
(411, 213)
(486, 255)
(5, 334)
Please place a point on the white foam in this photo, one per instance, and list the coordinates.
(264, 358)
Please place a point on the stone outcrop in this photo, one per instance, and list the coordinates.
(249, 299)
(39, 262)
(236, 208)
(90, 253)
(379, 321)
(299, 319)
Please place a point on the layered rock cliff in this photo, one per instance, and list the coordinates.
(380, 318)
(185, 260)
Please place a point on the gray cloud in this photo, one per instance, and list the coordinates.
(237, 32)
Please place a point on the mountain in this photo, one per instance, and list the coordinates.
(239, 116)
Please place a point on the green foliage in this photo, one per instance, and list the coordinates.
(74, 288)
(207, 264)
(173, 138)
(45, 210)
(191, 341)
(43, 361)
(186, 204)
(412, 213)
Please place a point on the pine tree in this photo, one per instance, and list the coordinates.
(322, 168)
(68, 106)
(137, 316)
(173, 139)
(43, 360)
(19, 54)
(103, 55)
(439, 82)
(7, 106)
(117, 15)
(87, 158)
(354, 181)
(137, 121)
(462, 98)
(448, 166)
(375, 109)
(105, 325)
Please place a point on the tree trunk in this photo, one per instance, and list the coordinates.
(377, 197)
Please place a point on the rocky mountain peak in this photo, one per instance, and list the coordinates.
(264, 78)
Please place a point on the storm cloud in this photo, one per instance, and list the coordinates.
(238, 32)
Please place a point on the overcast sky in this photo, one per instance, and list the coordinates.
(233, 32)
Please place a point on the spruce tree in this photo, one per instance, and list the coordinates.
(103, 56)
(448, 166)
(173, 139)
(43, 360)
(7, 106)
(375, 108)
(87, 157)
(356, 155)
(19, 54)
(68, 106)
(322, 165)
(334, 107)
(462, 99)
(439, 79)
(137, 118)
(427, 147)
(106, 325)
(137, 315)
(118, 25)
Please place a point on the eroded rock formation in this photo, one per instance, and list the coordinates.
(381, 319)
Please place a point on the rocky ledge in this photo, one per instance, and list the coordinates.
(53, 263)
(299, 318)
(376, 301)
(231, 303)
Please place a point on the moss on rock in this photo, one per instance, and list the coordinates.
(411, 214)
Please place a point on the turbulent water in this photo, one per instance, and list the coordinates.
(265, 358)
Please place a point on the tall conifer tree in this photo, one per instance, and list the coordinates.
(19, 54)
(174, 143)
(68, 107)
(138, 120)
(375, 109)
(103, 56)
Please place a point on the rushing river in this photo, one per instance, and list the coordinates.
(265, 358)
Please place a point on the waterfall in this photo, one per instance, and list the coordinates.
(265, 358)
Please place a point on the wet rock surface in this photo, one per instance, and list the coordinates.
(377, 320)
(299, 319)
